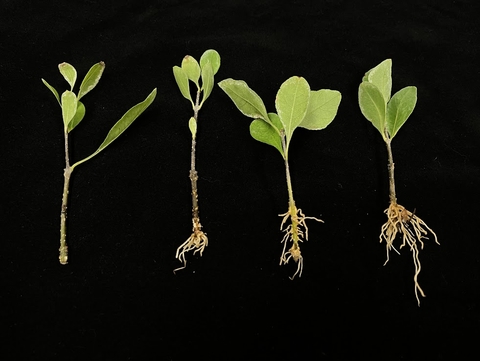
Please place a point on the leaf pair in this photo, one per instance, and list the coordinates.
(386, 114)
(191, 70)
(296, 105)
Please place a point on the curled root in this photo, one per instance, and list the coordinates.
(197, 242)
(413, 230)
(294, 232)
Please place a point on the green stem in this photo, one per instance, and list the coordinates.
(291, 202)
(193, 171)
(63, 257)
(391, 171)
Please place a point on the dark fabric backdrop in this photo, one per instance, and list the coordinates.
(129, 210)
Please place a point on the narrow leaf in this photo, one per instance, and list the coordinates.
(91, 79)
(292, 103)
(192, 124)
(265, 133)
(246, 100)
(399, 109)
(207, 81)
(191, 67)
(213, 57)
(381, 77)
(182, 81)
(69, 73)
(372, 105)
(69, 107)
(125, 121)
(322, 108)
(53, 90)
(78, 116)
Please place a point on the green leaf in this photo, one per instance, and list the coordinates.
(265, 133)
(372, 105)
(322, 109)
(246, 100)
(91, 79)
(53, 90)
(69, 73)
(69, 107)
(191, 67)
(182, 81)
(292, 103)
(399, 109)
(192, 124)
(125, 121)
(207, 81)
(381, 77)
(78, 116)
(213, 57)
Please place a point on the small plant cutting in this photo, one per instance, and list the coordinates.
(192, 71)
(73, 111)
(388, 115)
(297, 106)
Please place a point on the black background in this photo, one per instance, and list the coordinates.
(118, 298)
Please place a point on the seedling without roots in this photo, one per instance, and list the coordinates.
(297, 106)
(388, 115)
(73, 111)
(191, 70)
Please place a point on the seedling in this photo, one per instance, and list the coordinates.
(297, 106)
(388, 115)
(191, 70)
(73, 111)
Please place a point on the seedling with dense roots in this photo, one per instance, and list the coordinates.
(191, 70)
(73, 111)
(297, 106)
(388, 115)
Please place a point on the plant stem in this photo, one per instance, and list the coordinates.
(193, 171)
(291, 202)
(391, 169)
(63, 257)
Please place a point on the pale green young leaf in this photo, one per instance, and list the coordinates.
(192, 125)
(91, 79)
(292, 103)
(265, 133)
(213, 57)
(69, 73)
(191, 67)
(322, 109)
(69, 107)
(78, 116)
(182, 81)
(399, 109)
(381, 77)
(207, 81)
(125, 121)
(245, 99)
(53, 90)
(372, 105)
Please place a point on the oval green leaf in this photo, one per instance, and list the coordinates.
(79, 115)
(372, 105)
(292, 103)
(53, 90)
(322, 109)
(69, 73)
(399, 109)
(265, 133)
(91, 79)
(192, 125)
(213, 57)
(69, 107)
(207, 81)
(245, 99)
(125, 121)
(191, 67)
(182, 81)
(381, 77)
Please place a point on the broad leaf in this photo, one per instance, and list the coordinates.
(322, 108)
(192, 125)
(182, 81)
(69, 73)
(91, 79)
(372, 105)
(399, 109)
(381, 77)
(191, 67)
(53, 90)
(69, 107)
(124, 122)
(213, 57)
(266, 133)
(78, 116)
(207, 81)
(246, 100)
(292, 103)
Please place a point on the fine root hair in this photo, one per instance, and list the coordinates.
(197, 242)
